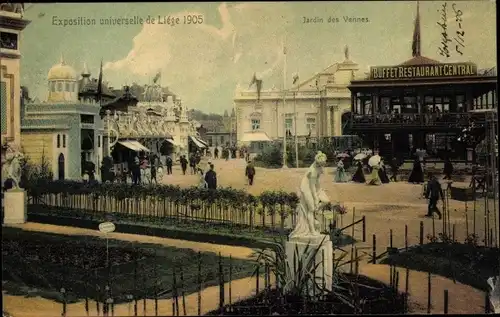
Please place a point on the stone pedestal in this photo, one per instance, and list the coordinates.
(296, 249)
(15, 206)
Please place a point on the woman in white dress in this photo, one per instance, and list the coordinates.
(309, 200)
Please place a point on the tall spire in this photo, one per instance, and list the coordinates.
(61, 60)
(415, 47)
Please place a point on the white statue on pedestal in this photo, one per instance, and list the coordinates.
(311, 199)
(11, 165)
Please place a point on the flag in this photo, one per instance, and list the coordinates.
(295, 78)
(258, 83)
(99, 84)
(157, 77)
(415, 47)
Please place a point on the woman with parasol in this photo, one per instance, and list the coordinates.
(374, 163)
(359, 176)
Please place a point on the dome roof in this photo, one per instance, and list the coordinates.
(61, 71)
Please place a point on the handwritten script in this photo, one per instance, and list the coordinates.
(459, 38)
(445, 39)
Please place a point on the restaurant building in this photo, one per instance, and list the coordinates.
(421, 104)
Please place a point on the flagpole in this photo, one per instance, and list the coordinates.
(284, 103)
(295, 127)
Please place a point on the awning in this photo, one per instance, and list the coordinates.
(197, 142)
(203, 142)
(134, 146)
(171, 141)
(255, 137)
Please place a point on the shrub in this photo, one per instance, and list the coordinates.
(271, 156)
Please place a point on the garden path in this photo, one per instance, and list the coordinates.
(462, 299)
(224, 250)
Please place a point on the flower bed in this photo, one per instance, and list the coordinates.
(466, 263)
(41, 264)
(369, 297)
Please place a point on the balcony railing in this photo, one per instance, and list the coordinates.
(441, 120)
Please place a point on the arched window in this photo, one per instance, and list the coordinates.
(52, 86)
(98, 141)
(58, 141)
(59, 86)
(64, 140)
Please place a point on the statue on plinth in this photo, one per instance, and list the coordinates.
(312, 198)
(11, 164)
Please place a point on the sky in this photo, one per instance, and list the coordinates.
(204, 63)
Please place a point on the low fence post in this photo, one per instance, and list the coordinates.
(63, 293)
(374, 250)
(390, 238)
(183, 293)
(230, 282)
(407, 282)
(364, 228)
(446, 301)
(221, 285)
(406, 237)
(257, 275)
(429, 293)
(421, 233)
(199, 284)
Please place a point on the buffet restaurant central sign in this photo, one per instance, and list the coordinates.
(423, 71)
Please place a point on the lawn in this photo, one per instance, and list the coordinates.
(40, 264)
(465, 263)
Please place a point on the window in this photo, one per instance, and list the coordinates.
(311, 124)
(58, 141)
(64, 140)
(59, 86)
(66, 87)
(86, 118)
(255, 124)
(98, 141)
(221, 139)
(288, 126)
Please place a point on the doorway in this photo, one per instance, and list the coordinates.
(60, 167)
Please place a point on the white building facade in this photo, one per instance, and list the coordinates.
(319, 102)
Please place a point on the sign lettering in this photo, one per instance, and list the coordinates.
(423, 71)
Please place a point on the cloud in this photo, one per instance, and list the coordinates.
(196, 60)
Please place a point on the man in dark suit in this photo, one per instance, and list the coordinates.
(184, 164)
(169, 164)
(394, 169)
(211, 178)
(448, 169)
(250, 172)
(433, 193)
